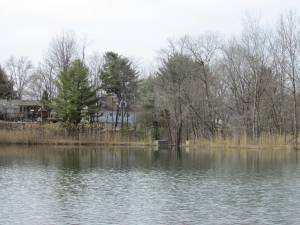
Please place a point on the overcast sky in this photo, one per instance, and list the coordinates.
(136, 28)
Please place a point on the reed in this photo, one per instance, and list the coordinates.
(97, 134)
(52, 134)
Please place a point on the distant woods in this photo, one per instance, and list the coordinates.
(246, 85)
(203, 86)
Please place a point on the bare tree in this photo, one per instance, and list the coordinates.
(289, 34)
(63, 50)
(19, 71)
(35, 86)
(255, 42)
(205, 50)
(42, 80)
(95, 63)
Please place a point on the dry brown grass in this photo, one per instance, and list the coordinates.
(54, 134)
(34, 134)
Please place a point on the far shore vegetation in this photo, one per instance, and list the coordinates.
(206, 90)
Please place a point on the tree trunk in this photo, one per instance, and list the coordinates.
(117, 117)
(122, 117)
(295, 125)
(178, 136)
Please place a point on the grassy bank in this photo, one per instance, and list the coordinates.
(55, 134)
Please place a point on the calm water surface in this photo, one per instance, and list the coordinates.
(87, 186)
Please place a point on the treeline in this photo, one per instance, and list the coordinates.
(245, 85)
(202, 87)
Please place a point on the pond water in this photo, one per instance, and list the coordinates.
(122, 186)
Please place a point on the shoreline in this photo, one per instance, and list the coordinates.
(197, 146)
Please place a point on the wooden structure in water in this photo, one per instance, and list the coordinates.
(164, 144)
(161, 144)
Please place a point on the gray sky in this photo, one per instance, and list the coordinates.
(136, 28)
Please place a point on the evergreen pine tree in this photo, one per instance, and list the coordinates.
(6, 86)
(75, 95)
(119, 78)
